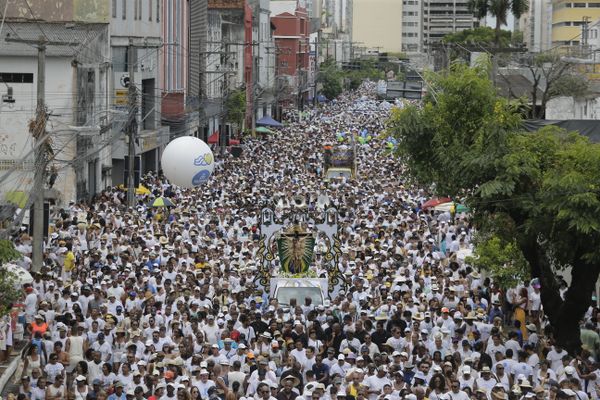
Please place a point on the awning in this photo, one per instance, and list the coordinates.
(214, 138)
(268, 121)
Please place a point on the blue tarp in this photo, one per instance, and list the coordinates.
(268, 121)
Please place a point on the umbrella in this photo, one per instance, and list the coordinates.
(161, 202)
(263, 129)
(434, 202)
(22, 276)
(268, 121)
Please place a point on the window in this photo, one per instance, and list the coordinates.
(114, 8)
(135, 9)
(15, 77)
(150, 10)
(157, 10)
(124, 9)
(578, 5)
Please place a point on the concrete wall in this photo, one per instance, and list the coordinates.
(378, 23)
(565, 108)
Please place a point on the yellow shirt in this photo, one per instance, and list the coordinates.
(70, 261)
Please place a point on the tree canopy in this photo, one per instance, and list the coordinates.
(10, 290)
(483, 35)
(533, 195)
(499, 9)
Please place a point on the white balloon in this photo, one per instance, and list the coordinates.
(187, 162)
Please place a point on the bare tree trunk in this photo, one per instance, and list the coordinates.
(564, 315)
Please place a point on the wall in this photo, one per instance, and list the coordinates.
(58, 11)
(566, 108)
(146, 25)
(378, 23)
(14, 131)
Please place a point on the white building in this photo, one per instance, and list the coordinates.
(264, 59)
(536, 26)
(76, 88)
(412, 26)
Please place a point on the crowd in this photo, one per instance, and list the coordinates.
(156, 303)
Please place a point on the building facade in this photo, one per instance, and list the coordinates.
(174, 68)
(412, 26)
(138, 23)
(441, 17)
(77, 93)
(537, 31)
(292, 45)
(377, 24)
(263, 59)
(568, 19)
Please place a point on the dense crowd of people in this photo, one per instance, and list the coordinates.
(157, 303)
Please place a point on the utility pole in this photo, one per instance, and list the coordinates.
(41, 142)
(131, 124)
(40, 161)
(584, 32)
(316, 76)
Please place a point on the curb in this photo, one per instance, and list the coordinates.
(8, 373)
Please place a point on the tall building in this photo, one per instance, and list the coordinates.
(292, 57)
(174, 69)
(537, 31)
(441, 17)
(376, 24)
(412, 26)
(568, 17)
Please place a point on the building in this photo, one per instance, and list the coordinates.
(568, 18)
(77, 87)
(377, 24)
(441, 17)
(537, 32)
(174, 69)
(263, 59)
(291, 37)
(412, 26)
(198, 36)
(137, 23)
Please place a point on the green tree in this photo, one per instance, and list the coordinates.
(10, 290)
(537, 193)
(235, 104)
(483, 36)
(331, 79)
(498, 9)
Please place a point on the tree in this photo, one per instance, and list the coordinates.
(10, 290)
(533, 195)
(331, 79)
(498, 9)
(235, 104)
(483, 36)
(552, 75)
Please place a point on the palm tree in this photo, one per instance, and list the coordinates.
(498, 9)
